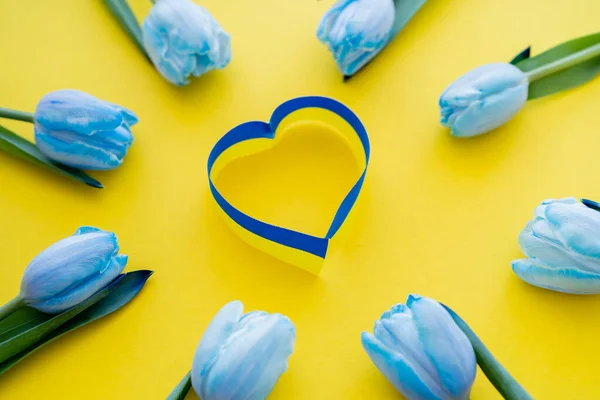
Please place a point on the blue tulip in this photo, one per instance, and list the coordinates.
(562, 243)
(355, 31)
(71, 270)
(483, 99)
(81, 131)
(241, 356)
(183, 39)
(422, 352)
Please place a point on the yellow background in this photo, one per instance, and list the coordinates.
(438, 216)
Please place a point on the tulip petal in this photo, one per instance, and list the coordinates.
(541, 244)
(397, 331)
(488, 114)
(540, 211)
(483, 99)
(540, 228)
(129, 116)
(67, 263)
(328, 20)
(72, 110)
(567, 280)
(488, 79)
(83, 289)
(78, 155)
(182, 38)
(577, 226)
(397, 369)
(86, 229)
(446, 345)
(252, 360)
(220, 328)
(356, 30)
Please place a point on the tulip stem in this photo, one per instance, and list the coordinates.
(126, 18)
(182, 388)
(564, 63)
(11, 307)
(504, 383)
(16, 114)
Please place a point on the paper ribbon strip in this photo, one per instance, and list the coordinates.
(302, 250)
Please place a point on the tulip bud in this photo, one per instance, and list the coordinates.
(241, 356)
(355, 31)
(422, 352)
(72, 270)
(183, 39)
(81, 131)
(562, 243)
(483, 99)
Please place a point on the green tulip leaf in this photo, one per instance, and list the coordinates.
(182, 389)
(118, 293)
(591, 204)
(124, 15)
(568, 78)
(405, 10)
(506, 385)
(20, 321)
(525, 54)
(15, 145)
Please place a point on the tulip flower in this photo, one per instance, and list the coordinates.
(562, 243)
(422, 352)
(70, 271)
(73, 131)
(483, 99)
(81, 131)
(241, 356)
(355, 31)
(183, 39)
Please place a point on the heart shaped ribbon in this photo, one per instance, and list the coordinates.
(302, 250)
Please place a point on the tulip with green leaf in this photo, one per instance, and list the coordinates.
(180, 38)
(356, 31)
(427, 352)
(70, 284)
(240, 356)
(489, 96)
(74, 131)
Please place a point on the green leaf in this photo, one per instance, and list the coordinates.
(405, 10)
(182, 389)
(525, 54)
(21, 321)
(20, 342)
(591, 204)
(118, 293)
(506, 385)
(124, 15)
(567, 78)
(15, 145)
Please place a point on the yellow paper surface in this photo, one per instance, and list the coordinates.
(437, 216)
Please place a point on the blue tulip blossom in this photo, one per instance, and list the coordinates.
(241, 356)
(183, 39)
(355, 31)
(81, 131)
(72, 270)
(422, 352)
(483, 99)
(562, 243)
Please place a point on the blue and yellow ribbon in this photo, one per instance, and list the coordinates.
(296, 248)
